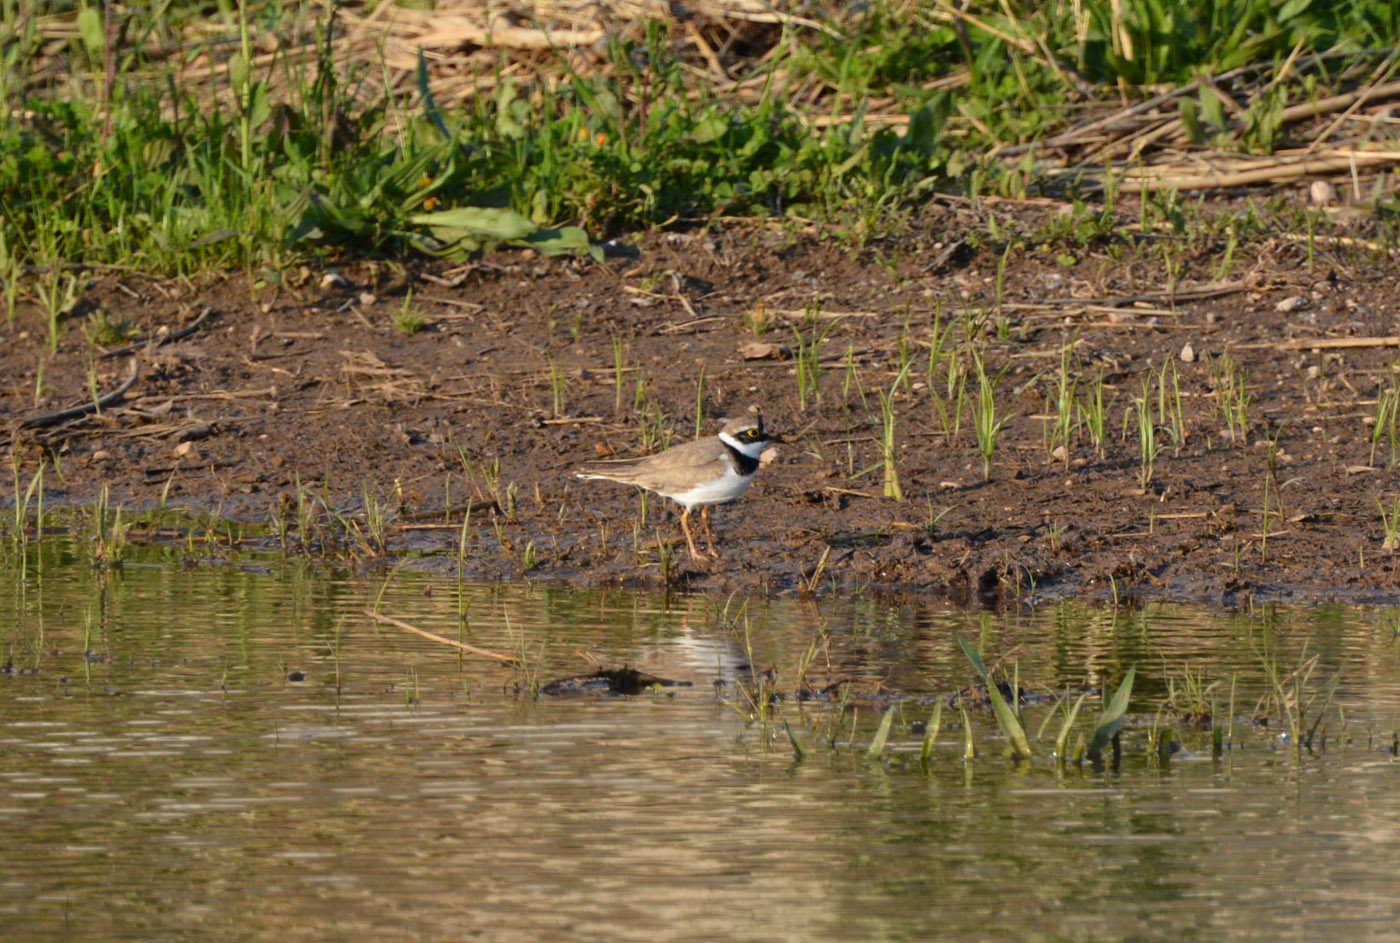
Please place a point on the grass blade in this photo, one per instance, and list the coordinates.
(935, 723)
(797, 752)
(969, 751)
(972, 656)
(1063, 736)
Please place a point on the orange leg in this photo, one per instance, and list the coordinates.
(690, 542)
(709, 538)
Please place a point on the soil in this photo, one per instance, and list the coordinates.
(309, 392)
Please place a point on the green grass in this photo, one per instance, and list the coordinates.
(986, 419)
(1147, 436)
(123, 156)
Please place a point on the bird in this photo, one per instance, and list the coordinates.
(702, 472)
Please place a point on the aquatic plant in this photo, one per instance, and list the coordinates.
(1007, 720)
(931, 731)
(877, 743)
(1111, 719)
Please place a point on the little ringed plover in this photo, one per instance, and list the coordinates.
(699, 473)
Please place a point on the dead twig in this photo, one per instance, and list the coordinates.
(470, 649)
(1322, 343)
(76, 412)
(167, 338)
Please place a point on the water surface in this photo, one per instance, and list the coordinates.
(236, 751)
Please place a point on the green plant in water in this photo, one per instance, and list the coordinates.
(33, 493)
(798, 753)
(1007, 720)
(110, 548)
(877, 743)
(969, 749)
(931, 730)
(1292, 698)
(1062, 738)
(1111, 720)
(526, 664)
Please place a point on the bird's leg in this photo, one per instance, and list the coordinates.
(709, 538)
(690, 542)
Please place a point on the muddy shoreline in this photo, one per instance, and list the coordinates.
(522, 368)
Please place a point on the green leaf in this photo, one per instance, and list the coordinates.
(877, 746)
(1010, 725)
(973, 657)
(258, 108)
(1063, 737)
(1212, 111)
(922, 133)
(1164, 745)
(1111, 721)
(475, 221)
(1006, 717)
(562, 240)
(797, 751)
(969, 751)
(91, 30)
(1191, 122)
(238, 75)
(430, 108)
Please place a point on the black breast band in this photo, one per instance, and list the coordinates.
(746, 466)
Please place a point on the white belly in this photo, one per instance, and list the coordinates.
(717, 491)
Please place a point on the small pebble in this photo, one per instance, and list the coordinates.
(1321, 193)
(1188, 353)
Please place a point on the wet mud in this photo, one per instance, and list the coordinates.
(286, 402)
